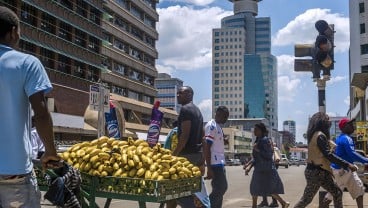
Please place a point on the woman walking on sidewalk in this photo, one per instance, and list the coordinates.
(265, 179)
(320, 155)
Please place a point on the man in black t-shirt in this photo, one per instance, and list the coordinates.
(190, 135)
(190, 124)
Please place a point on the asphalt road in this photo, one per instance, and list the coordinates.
(238, 195)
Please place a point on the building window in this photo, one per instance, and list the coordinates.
(80, 38)
(47, 58)
(120, 68)
(361, 7)
(365, 69)
(94, 16)
(67, 3)
(81, 8)
(27, 47)
(94, 44)
(28, 14)
(48, 23)
(120, 45)
(136, 12)
(64, 64)
(137, 33)
(121, 23)
(364, 49)
(64, 31)
(362, 28)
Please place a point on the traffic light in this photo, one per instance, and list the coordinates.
(323, 53)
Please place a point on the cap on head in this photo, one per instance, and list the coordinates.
(344, 121)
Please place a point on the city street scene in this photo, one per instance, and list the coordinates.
(183, 103)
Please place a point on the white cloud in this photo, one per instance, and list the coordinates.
(287, 88)
(336, 79)
(185, 41)
(164, 69)
(301, 30)
(206, 109)
(347, 100)
(331, 114)
(195, 2)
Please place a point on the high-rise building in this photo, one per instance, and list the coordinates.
(83, 42)
(358, 62)
(167, 87)
(244, 76)
(290, 127)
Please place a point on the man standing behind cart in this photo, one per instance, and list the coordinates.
(23, 81)
(190, 134)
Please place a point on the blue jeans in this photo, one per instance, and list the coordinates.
(20, 192)
(219, 186)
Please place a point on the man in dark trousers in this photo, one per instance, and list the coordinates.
(190, 134)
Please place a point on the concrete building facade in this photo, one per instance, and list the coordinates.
(86, 42)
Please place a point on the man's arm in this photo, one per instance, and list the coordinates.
(183, 137)
(207, 155)
(349, 149)
(43, 123)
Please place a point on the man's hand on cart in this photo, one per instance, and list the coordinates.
(50, 160)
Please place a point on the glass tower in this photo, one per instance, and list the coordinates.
(244, 74)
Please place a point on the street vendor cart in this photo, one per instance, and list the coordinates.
(136, 189)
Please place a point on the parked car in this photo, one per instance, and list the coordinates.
(294, 161)
(362, 170)
(231, 162)
(283, 162)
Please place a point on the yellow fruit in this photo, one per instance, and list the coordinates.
(154, 175)
(166, 157)
(160, 177)
(104, 156)
(94, 159)
(132, 172)
(86, 157)
(138, 142)
(124, 159)
(165, 174)
(146, 150)
(115, 166)
(131, 163)
(87, 167)
(174, 176)
(147, 175)
(172, 170)
(140, 172)
(94, 152)
(104, 174)
(118, 172)
(136, 159)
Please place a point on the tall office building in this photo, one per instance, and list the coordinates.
(82, 42)
(244, 76)
(290, 127)
(167, 87)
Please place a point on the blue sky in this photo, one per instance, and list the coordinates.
(185, 52)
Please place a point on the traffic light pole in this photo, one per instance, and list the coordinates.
(321, 85)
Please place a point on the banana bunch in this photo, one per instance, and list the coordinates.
(132, 158)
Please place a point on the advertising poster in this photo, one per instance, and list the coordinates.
(361, 130)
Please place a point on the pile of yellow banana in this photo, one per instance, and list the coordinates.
(132, 158)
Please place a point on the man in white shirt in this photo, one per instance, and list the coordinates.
(215, 156)
(37, 145)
